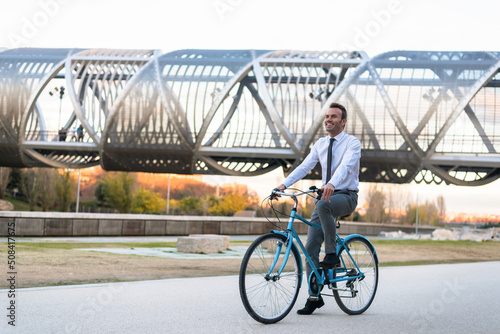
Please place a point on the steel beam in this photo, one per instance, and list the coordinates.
(170, 116)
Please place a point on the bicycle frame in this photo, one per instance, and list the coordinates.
(271, 271)
(291, 234)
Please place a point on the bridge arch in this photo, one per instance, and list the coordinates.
(421, 116)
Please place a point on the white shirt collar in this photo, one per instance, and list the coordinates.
(337, 137)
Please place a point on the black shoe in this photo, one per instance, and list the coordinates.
(330, 261)
(311, 305)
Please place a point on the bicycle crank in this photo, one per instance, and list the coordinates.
(352, 291)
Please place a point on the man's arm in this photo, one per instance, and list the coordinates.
(305, 167)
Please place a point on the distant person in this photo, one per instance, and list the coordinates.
(79, 133)
(62, 134)
(72, 134)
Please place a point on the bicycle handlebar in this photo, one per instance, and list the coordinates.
(313, 189)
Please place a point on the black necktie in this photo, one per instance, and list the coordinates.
(329, 164)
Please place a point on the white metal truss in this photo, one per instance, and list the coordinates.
(423, 116)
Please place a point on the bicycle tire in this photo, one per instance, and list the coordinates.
(360, 292)
(269, 299)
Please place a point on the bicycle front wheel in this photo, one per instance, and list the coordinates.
(354, 296)
(269, 296)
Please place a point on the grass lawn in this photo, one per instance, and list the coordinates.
(61, 263)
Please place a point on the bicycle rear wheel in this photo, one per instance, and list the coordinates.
(356, 295)
(269, 298)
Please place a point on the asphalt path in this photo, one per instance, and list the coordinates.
(455, 298)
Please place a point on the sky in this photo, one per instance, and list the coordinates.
(375, 26)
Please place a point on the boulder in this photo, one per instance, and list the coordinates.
(444, 234)
(392, 235)
(6, 206)
(207, 244)
(225, 238)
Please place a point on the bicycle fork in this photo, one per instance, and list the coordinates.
(276, 277)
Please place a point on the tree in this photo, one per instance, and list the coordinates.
(190, 205)
(375, 199)
(118, 191)
(46, 188)
(146, 201)
(28, 185)
(15, 181)
(64, 186)
(229, 205)
(427, 214)
(430, 213)
(4, 180)
(397, 198)
(441, 207)
(207, 202)
(99, 193)
(192, 189)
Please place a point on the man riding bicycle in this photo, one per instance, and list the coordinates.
(338, 154)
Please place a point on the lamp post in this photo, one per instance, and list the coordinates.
(61, 95)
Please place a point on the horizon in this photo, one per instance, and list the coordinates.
(372, 26)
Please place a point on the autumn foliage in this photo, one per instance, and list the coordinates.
(187, 195)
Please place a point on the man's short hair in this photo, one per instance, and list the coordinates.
(341, 107)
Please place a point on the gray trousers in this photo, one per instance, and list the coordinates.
(341, 203)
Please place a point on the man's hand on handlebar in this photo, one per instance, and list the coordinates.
(327, 191)
(280, 188)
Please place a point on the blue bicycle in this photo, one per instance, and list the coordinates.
(271, 271)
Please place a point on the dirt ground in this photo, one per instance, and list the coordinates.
(48, 266)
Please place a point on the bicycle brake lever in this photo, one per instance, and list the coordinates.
(273, 194)
(317, 190)
(320, 193)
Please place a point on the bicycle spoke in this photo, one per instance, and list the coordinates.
(355, 296)
(267, 296)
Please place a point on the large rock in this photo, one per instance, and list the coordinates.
(225, 238)
(479, 234)
(467, 233)
(207, 244)
(444, 234)
(6, 206)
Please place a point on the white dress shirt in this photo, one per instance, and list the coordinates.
(345, 162)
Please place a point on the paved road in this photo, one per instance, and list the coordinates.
(458, 298)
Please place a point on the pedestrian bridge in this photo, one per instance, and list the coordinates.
(423, 116)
